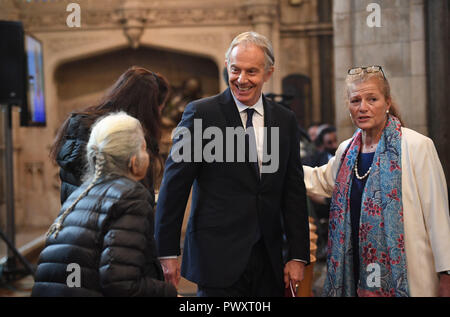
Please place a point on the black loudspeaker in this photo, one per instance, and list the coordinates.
(12, 64)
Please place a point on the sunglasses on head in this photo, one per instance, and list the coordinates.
(368, 69)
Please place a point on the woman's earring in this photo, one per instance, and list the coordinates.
(387, 111)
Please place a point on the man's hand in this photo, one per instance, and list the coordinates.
(444, 285)
(293, 271)
(171, 269)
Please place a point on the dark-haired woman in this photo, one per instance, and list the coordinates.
(138, 92)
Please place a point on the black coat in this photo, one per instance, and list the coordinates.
(72, 156)
(230, 203)
(316, 159)
(109, 234)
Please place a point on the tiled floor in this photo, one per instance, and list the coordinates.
(185, 288)
(22, 287)
(23, 236)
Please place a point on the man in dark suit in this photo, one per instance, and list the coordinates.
(240, 208)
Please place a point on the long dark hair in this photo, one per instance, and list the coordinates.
(141, 94)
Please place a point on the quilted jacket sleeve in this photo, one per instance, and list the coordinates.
(128, 263)
(71, 157)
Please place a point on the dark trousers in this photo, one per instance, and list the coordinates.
(258, 279)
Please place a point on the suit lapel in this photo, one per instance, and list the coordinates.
(229, 109)
(234, 120)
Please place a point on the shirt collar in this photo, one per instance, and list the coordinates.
(259, 108)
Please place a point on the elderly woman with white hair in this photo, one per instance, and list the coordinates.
(389, 232)
(105, 228)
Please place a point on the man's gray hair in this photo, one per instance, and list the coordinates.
(256, 39)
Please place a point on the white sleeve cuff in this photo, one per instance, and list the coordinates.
(168, 257)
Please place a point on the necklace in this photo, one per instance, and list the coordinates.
(371, 147)
(356, 171)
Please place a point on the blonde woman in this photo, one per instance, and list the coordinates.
(105, 228)
(389, 232)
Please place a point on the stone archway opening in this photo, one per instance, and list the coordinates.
(81, 82)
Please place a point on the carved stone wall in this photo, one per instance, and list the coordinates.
(398, 45)
(201, 28)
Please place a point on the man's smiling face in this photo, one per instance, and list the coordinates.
(247, 73)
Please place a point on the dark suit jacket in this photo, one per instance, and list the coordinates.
(230, 203)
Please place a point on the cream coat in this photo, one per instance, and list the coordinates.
(425, 205)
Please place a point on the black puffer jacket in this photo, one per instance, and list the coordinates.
(109, 234)
(71, 157)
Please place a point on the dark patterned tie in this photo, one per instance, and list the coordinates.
(251, 140)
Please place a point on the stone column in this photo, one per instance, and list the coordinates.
(9, 11)
(262, 15)
(132, 16)
(438, 49)
(343, 60)
(398, 44)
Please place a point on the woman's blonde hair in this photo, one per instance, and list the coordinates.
(113, 141)
(383, 84)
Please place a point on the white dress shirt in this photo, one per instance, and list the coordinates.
(258, 124)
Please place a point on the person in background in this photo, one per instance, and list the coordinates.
(307, 144)
(105, 227)
(326, 145)
(140, 93)
(327, 142)
(234, 239)
(312, 148)
(312, 131)
(389, 232)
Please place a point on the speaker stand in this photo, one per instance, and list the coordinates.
(10, 267)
